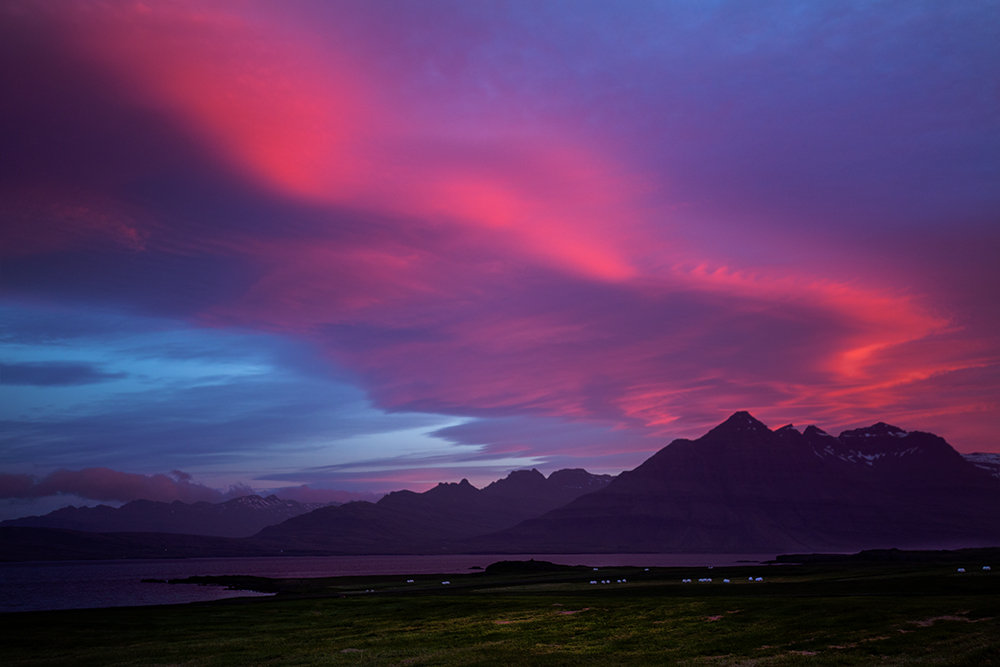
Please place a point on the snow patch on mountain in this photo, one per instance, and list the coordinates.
(988, 461)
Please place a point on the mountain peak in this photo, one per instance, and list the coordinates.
(741, 423)
(448, 489)
(879, 429)
(578, 478)
(814, 431)
(526, 475)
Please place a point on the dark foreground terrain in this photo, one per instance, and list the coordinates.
(854, 613)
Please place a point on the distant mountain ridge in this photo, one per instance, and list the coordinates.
(745, 488)
(239, 517)
(408, 522)
(401, 522)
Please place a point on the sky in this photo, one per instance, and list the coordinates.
(348, 247)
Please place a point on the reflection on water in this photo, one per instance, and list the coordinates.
(86, 584)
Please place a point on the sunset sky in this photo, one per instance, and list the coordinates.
(366, 246)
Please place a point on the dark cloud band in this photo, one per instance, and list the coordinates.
(55, 374)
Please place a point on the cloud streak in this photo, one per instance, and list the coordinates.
(54, 374)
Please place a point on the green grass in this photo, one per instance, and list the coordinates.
(815, 615)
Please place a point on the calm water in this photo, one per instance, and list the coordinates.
(86, 584)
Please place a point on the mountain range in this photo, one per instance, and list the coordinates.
(745, 488)
(408, 522)
(740, 488)
(239, 517)
(400, 522)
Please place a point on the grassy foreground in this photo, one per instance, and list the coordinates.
(807, 614)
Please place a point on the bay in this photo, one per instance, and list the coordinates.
(39, 586)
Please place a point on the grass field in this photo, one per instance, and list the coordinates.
(805, 614)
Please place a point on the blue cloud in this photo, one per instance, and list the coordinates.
(229, 405)
(54, 373)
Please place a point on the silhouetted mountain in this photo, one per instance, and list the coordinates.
(744, 488)
(402, 522)
(529, 491)
(408, 522)
(239, 517)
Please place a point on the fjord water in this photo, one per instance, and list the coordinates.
(40, 586)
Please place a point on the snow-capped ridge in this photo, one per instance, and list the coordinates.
(875, 430)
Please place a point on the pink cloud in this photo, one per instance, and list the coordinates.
(308, 120)
(273, 107)
(71, 220)
(500, 263)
